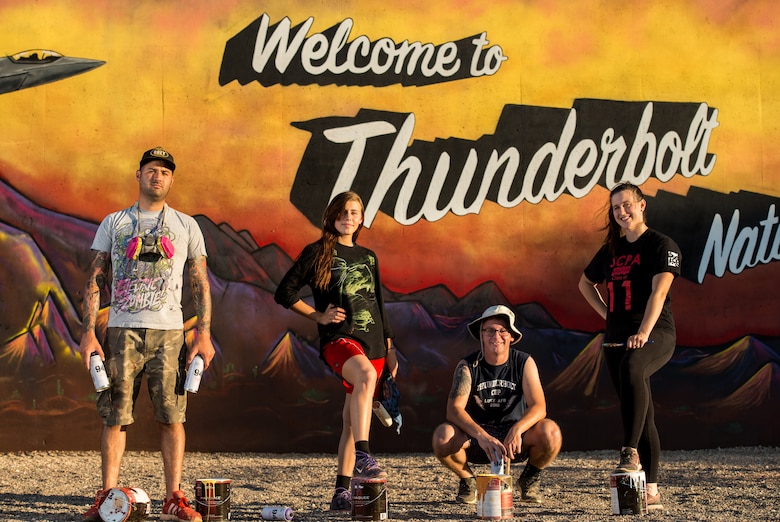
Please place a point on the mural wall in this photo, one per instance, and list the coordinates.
(483, 139)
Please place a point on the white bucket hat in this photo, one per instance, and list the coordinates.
(493, 311)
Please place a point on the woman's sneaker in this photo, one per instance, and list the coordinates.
(629, 461)
(654, 502)
(366, 466)
(178, 509)
(342, 500)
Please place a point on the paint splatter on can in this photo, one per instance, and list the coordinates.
(125, 505)
(369, 498)
(494, 497)
(212, 499)
(628, 493)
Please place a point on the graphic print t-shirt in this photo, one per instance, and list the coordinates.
(354, 286)
(148, 294)
(629, 280)
(497, 391)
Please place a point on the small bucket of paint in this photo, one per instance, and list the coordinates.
(125, 505)
(212, 499)
(369, 498)
(628, 492)
(494, 496)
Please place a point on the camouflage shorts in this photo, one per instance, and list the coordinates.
(132, 353)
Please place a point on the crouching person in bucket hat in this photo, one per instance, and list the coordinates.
(496, 411)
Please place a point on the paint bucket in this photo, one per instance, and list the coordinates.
(212, 499)
(369, 498)
(125, 505)
(494, 496)
(628, 492)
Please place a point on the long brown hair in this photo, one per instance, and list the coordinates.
(614, 232)
(324, 258)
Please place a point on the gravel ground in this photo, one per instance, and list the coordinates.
(736, 484)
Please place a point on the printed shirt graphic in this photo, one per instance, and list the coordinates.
(628, 277)
(355, 286)
(148, 294)
(497, 391)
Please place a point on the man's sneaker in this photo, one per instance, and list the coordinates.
(366, 466)
(654, 502)
(342, 500)
(530, 488)
(93, 513)
(467, 491)
(178, 508)
(629, 461)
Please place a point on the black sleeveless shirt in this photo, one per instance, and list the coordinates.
(497, 391)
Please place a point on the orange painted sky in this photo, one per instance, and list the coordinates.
(73, 145)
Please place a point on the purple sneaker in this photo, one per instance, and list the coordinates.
(342, 500)
(367, 467)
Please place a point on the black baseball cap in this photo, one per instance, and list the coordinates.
(158, 153)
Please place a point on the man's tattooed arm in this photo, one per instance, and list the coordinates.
(201, 293)
(461, 382)
(99, 271)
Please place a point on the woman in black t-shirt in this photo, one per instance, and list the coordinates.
(355, 337)
(637, 265)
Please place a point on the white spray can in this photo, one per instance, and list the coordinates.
(194, 374)
(277, 513)
(98, 371)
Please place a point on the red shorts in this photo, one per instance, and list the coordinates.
(338, 351)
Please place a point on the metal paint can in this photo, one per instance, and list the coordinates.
(494, 496)
(125, 505)
(628, 493)
(212, 499)
(369, 498)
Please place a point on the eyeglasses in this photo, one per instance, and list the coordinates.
(490, 332)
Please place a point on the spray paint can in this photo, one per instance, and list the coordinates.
(277, 513)
(98, 371)
(194, 374)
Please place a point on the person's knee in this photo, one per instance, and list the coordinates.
(442, 440)
(545, 435)
(362, 375)
(553, 434)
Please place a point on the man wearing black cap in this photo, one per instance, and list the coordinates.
(143, 250)
(496, 410)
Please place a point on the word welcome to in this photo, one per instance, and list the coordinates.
(281, 54)
(535, 154)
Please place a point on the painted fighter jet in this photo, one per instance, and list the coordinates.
(39, 66)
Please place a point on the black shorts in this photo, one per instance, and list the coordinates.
(476, 455)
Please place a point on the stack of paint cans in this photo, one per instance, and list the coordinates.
(628, 493)
(369, 498)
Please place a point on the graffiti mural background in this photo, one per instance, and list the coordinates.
(483, 140)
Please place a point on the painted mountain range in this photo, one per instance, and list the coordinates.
(268, 373)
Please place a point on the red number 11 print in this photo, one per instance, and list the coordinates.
(610, 288)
